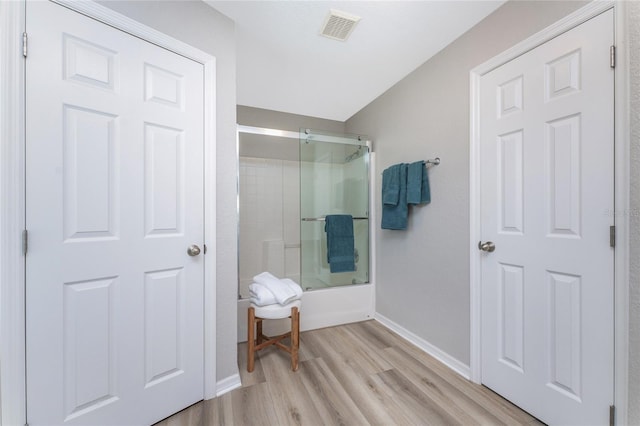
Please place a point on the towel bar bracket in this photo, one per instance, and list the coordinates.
(434, 161)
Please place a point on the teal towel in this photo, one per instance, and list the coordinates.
(391, 185)
(396, 216)
(340, 243)
(418, 191)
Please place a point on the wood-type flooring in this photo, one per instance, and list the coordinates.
(354, 374)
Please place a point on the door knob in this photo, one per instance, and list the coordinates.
(193, 250)
(487, 246)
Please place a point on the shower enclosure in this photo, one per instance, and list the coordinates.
(334, 179)
(288, 183)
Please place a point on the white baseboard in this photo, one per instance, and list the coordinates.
(228, 384)
(451, 362)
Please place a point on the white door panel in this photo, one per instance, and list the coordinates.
(547, 197)
(114, 198)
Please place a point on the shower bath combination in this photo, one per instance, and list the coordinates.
(288, 183)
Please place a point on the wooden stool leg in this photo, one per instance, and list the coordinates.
(250, 339)
(295, 337)
(258, 331)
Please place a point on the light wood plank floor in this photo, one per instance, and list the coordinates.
(355, 374)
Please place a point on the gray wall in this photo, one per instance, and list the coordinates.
(634, 299)
(423, 274)
(258, 117)
(422, 279)
(197, 24)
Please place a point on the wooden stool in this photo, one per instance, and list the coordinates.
(258, 341)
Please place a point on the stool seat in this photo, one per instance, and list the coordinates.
(276, 311)
(257, 341)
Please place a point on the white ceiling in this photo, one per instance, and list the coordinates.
(283, 64)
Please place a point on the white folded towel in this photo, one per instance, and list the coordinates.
(283, 292)
(260, 295)
(293, 286)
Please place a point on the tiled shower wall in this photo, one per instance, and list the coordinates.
(269, 219)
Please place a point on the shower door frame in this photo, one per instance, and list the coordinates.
(321, 307)
(314, 135)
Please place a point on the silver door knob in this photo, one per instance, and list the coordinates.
(193, 250)
(487, 246)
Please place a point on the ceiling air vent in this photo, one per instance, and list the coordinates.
(339, 25)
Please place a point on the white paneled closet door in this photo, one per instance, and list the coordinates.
(547, 175)
(114, 199)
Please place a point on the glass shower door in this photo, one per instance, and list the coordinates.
(334, 179)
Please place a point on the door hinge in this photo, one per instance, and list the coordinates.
(24, 44)
(25, 242)
(612, 236)
(612, 415)
(612, 56)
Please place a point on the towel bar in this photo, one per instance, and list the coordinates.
(321, 219)
(434, 161)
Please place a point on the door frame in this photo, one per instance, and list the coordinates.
(12, 194)
(621, 188)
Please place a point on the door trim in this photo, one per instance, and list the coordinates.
(621, 190)
(12, 194)
(12, 218)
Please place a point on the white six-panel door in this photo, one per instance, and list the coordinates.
(114, 199)
(546, 203)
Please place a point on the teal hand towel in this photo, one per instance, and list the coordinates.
(396, 216)
(418, 191)
(340, 243)
(391, 185)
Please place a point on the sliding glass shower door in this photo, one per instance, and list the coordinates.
(334, 179)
